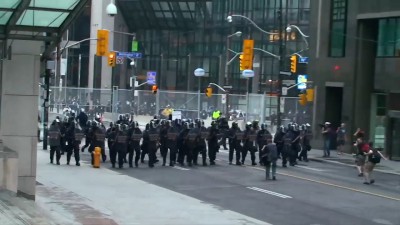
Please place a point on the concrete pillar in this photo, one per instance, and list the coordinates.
(19, 109)
(100, 20)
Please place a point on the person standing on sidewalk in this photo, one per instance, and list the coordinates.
(373, 157)
(341, 138)
(360, 156)
(269, 157)
(55, 142)
(327, 133)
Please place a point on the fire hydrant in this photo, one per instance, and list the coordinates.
(96, 157)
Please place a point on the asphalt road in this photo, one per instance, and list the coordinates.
(311, 193)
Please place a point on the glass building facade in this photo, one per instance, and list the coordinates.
(176, 37)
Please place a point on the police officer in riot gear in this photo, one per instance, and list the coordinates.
(287, 145)
(306, 136)
(278, 139)
(223, 127)
(88, 135)
(235, 136)
(200, 147)
(135, 135)
(172, 134)
(182, 143)
(213, 145)
(74, 137)
(145, 143)
(152, 135)
(262, 135)
(54, 142)
(250, 136)
(121, 144)
(163, 140)
(99, 136)
(295, 145)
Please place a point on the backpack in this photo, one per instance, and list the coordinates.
(375, 157)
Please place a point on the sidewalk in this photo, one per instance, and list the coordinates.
(385, 166)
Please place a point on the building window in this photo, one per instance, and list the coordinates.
(338, 28)
(389, 37)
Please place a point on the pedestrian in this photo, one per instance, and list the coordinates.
(341, 138)
(250, 137)
(373, 157)
(361, 148)
(269, 158)
(327, 134)
(55, 142)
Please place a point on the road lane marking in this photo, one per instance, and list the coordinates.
(180, 168)
(334, 185)
(310, 168)
(269, 192)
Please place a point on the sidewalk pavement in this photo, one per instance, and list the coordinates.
(84, 195)
(385, 166)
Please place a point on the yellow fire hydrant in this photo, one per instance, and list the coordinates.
(96, 157)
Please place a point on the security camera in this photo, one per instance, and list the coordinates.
(111, 9)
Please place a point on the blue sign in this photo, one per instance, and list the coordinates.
(151, 77)
(302, 82)
(134, 55)
(248, 73)
(303, 60)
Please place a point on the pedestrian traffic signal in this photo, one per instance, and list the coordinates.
(154, 89)
(208, 91)
(112, 59)
(293, 64)
(241, 62)
(102, 42)
(303, 99)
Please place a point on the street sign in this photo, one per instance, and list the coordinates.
(284, 90)
(303, 59)
(120, 60)
(223, 98)
(285, 73)
(302, 82)
(151, 77)
(248, 73)
(134, 55)
(227, 87)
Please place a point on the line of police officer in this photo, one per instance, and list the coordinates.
(184, 139)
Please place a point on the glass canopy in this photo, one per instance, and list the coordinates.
(50, 16)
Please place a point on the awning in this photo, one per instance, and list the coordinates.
(42, 20)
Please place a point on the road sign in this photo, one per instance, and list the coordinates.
(227, 87)
(248, 73)
(285, 73)
(120, 60)
(134, 55)
(288, 82)
(302, 82)
(223, 98)
(151, 77)
(284, 90)
(303, 59)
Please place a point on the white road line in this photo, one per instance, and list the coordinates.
(269, 192)
(180, 168)
(310, 168)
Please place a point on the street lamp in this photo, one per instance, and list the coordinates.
(289, 29)
(199, 72)
(230, 19)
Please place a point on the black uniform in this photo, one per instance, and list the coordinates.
(134, 145)
(54, 142)
(152, 137)
(74, 137)
(172, 144)
(278, 140)
(99, 137)
(201, 147)
(182, 145)
(294, 148)
(262, 136)
(223, 127)
(163, 143)
(235, 138)
(121, 146)
(287, 145)
(250, 137)
(305, 145)
(213, 145)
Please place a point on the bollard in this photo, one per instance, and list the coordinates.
(96, 157)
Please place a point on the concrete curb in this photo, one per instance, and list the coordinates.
(345, 164)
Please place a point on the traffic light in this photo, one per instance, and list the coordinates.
(293, 64)
(154, 89)
(303, 99)
(208, 91)
(112, 59)
(310, 94)
(248, 54)
(241, 62)
(102, 42)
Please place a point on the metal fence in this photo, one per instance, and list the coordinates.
(191, 104)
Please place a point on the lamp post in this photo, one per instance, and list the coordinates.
(236, 34)
(199, 72)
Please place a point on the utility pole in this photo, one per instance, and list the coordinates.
(281, 62)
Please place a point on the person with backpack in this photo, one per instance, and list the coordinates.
(362, 147)
(269, 158)
(373, 157)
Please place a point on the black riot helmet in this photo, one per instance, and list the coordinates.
(153, 125)
(133, 124)
(148, 126)
(111, 124)
(234, 124)
(120, 117)
(123, 127)
(94, 123)
(264, 126)
(186, 126)
(248, 125)
(213, 124)
(198, 123)
(191, 125)
(168, 123)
